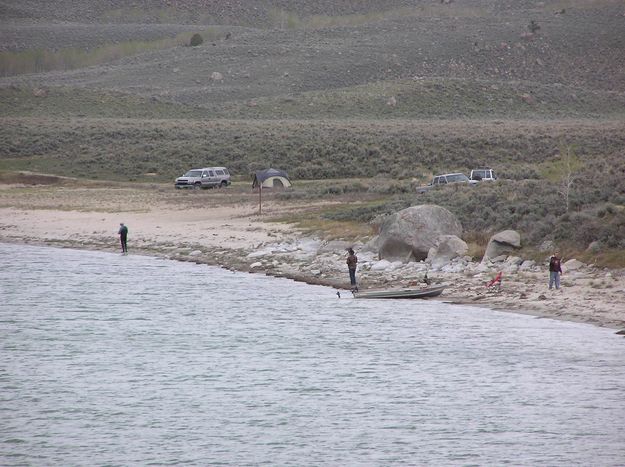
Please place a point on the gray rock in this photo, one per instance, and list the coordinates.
(264, 252)
(449, 247)
(594, 247)
(573, 265)
(482, 267)
(334, 246)
(410, 233)
(372, 245)
(515, 260)
(511, 268)
(527, 264)
(453, 268)
(381, 265)
(502, 243)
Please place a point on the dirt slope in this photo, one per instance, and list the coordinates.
(473, 40)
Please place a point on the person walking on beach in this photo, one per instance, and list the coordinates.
(352, 261)
(123, 237)
(555, 269)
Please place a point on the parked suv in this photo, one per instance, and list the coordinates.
(485, 174)
(208, 177)
(445, 179)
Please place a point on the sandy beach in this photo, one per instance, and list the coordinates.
(224, 228)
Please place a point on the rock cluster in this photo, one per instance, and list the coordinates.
(411, 243)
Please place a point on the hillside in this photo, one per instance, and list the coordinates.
(578, 48)
(396, 88)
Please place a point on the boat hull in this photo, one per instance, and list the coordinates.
(402, 293)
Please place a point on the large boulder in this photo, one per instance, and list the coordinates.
(410, 233)
(502, 243)
(573, 265)
(448, 248)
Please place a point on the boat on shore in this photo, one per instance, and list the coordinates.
(425, 292)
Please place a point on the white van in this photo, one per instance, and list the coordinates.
(483, 175)
(208, 177)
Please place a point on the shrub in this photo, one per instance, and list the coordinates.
(533, 27)
(196, 39)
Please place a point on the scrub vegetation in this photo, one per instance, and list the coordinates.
(42, 60)
(359, 101)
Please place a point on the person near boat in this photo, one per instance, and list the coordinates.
(352, 261)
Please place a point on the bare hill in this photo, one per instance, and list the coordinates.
(579, 46)
(256, 13)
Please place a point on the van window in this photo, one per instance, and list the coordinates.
(211, 173)
(226, 172)
(219, 172)
(457, 178)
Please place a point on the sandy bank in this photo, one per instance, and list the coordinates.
(225, 229)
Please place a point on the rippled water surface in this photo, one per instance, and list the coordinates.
(113, 360)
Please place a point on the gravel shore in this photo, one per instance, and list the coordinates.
(233, 235)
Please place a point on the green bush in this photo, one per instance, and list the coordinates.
(196, 39)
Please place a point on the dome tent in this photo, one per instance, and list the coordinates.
(270, 178)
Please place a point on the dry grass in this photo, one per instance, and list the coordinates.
(330, 230)
(42, 60)
(614, 258)
(558, 5)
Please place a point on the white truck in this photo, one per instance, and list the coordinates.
(208, 177)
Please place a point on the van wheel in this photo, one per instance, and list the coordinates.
(223, 184)
(197, 186)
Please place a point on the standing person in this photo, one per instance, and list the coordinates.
(555, 269)
(352, 261)
(123, 237)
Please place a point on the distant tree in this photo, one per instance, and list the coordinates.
(567, 169)
(196, 40)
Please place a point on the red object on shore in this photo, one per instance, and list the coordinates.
(496, 280)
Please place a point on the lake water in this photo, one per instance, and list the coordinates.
(132, 360)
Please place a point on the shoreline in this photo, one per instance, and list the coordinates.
(231, 235)
(452, 297)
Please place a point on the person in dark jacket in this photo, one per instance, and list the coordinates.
(123, 237)
(555, 270)
(352, 261)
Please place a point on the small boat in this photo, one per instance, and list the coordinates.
(427, 292)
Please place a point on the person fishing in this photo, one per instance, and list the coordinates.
(555, 270)
(123, 237)
(352, 261)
